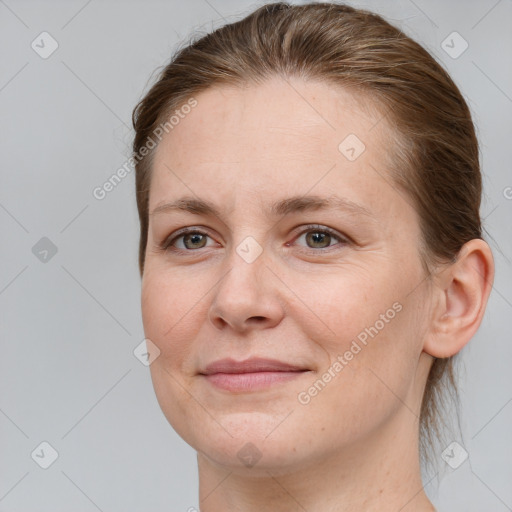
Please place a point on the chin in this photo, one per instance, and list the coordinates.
(249, 441)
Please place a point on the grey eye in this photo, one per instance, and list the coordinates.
(318, 239)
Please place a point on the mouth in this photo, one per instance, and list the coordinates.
(250, 375)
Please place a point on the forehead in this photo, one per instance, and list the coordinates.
(255, 122)
(282, 136)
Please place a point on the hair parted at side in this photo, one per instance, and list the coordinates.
(436, 158)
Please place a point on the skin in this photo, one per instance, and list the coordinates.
(354, 445)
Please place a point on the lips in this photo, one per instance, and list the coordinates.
(250, 375)
(250, 366)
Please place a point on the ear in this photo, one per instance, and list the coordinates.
(462, 290)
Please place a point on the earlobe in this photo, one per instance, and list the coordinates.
(463, 289)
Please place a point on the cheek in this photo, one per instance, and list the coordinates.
(363, 384)
(169, 297)
(170, 306)
(367, 327)
(347, 304)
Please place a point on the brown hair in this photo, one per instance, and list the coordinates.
(436, 157)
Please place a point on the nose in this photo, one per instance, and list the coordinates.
(247, 297)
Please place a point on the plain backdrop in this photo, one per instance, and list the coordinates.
(69, 282)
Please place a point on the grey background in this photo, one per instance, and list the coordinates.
(69, 325)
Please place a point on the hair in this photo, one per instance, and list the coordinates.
(435, 150)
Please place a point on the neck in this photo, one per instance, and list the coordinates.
(380, 472)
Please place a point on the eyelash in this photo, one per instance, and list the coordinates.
(167, 245)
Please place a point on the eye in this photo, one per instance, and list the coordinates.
(317, 237)
(187, 240)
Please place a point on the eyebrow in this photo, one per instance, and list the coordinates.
(279, 209)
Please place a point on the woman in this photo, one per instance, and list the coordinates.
(311, 256)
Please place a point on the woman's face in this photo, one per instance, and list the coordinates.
(291, 322)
